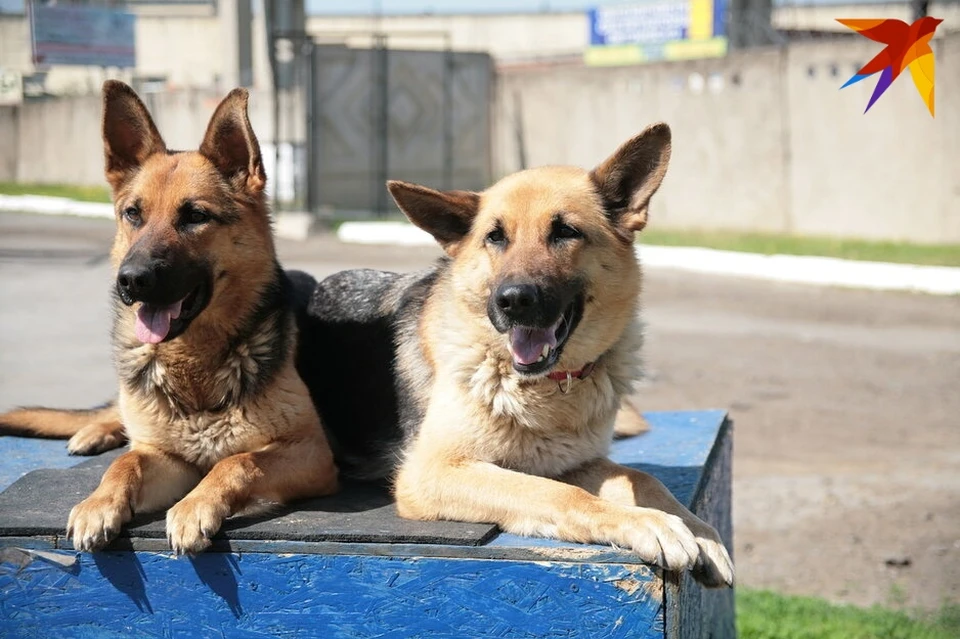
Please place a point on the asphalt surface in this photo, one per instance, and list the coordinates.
(846, 404)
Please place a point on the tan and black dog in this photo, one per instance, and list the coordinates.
(488, 386)
(204, 337)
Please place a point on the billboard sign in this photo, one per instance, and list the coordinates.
(656, 30)
(86, 36)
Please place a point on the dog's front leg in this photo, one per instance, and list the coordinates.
(281, 472)
(467, 490)
(620, 484)
(142, 480)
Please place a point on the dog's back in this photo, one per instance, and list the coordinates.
(360, 356)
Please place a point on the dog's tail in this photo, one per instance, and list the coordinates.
(629, 421)
(90, 431)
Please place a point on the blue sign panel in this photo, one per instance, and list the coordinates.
(639, 23)
(83, 36)
(656, 30)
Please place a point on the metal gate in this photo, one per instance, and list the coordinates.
(379, 113)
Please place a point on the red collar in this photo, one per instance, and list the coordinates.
(560, 376)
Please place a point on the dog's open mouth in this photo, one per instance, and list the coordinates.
(536, 350)
(156, 322)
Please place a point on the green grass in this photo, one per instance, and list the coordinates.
(82, 193)
(940, 255)
(767, 615)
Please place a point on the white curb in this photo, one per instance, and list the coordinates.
(54, 206)
(807, 269)
(396, 233)
(800, 269)
(291, 225)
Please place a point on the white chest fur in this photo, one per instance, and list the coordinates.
(535, 427)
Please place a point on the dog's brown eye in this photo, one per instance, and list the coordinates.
(198, 216)
(132, 214)
(496, 237)
(563, 231)
(193, 215)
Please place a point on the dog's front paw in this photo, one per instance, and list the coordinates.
(96, 521)
(714, 568)
(662, 539)
(95, 439)
(192, 523)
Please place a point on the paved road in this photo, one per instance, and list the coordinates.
(846, 403)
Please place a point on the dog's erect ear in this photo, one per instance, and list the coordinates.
(446, 215)
(231, 144)
(629, 178)
(129, 134)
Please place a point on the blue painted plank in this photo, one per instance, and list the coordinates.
(355, 590)
(21, 455)
(123, 594)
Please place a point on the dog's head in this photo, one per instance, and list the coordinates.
(547, 255)
(188, 223)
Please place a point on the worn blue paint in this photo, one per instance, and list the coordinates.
(123, 594)
(510, 587)
(21, 455)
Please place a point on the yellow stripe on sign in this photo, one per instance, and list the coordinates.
(693, 49)
(614, 55)
(701, 20)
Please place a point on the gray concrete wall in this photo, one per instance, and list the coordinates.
(727, 168)
(58, 140)
(9, 135)
(948, 90)
(504, 36)
(763, 141)
(878, 175)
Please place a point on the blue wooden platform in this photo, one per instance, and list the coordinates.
(506, 586)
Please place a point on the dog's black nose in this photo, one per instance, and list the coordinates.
(134, 280)
(519, 302)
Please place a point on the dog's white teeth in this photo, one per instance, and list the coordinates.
(546, 351)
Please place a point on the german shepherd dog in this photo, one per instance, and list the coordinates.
(488, 386)
(204, 339)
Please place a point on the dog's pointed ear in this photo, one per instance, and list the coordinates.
(628, 179)
(129, 134)
(446, 215)
(231, 144)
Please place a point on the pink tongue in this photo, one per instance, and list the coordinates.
(526, 344)
(153, 322)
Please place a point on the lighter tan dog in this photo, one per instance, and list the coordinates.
(525, 347)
